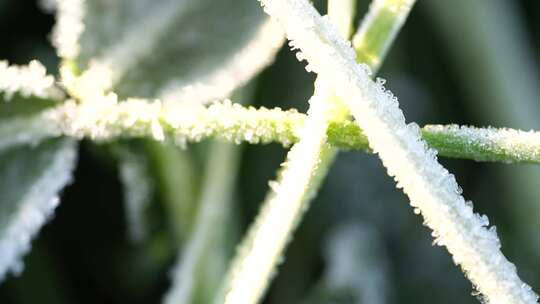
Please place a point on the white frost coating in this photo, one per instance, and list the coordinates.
(246, 63)
(35, 208)
(432, 190)
(520, 145)
(68, 28)
(89, 87)
(28, 80)
(108, 119)
(137, 192)
(252, 270)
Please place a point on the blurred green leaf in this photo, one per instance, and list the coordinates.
(191, 49)
(31, 179)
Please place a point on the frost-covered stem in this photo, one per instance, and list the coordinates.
(235, 123)
(305, 168)
(432, 190)
(484, 144)
(27, 81)
(379, 29)
(69, 27)
(502, 87)
(341, 12)
(205, 241)
(261, 250)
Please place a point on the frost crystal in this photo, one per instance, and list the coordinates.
(91, 86)
(28, 80)
(106, 119)
(429, 186)
(492, 144)
(254, 267)
(34, 209)
(69, 27)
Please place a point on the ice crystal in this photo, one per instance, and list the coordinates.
(429, 186)
(69, 27)
(107, 119)
(33, 209)
(91, 86)
(28, 80)
(254, 267)
(518, 145)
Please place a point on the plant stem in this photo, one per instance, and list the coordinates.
(379, 29)
(204, 250)
(235, 123)
(300, 178)
(341, 12)
(498, 67)
(174, 172)
(263, 246)
(433, 192)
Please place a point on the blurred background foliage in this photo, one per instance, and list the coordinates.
(465, 62)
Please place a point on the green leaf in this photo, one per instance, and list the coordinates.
(31, 179)
(195, 50)
(25, 91)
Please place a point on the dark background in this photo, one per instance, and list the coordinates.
(84, 256)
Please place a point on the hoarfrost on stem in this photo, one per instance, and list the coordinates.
(431, 189)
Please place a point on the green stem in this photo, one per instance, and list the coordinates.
(479, 144)
(202, 264)
(379, 30)
(302, 175)
(342, 14)
(177, 183)
(235, 123)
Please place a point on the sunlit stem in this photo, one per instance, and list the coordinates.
(262, 248)
(307, 163)
(433, 192)
(302, 174)
(204, 247)
(235, 123)
(341, 12)
(378, 30)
